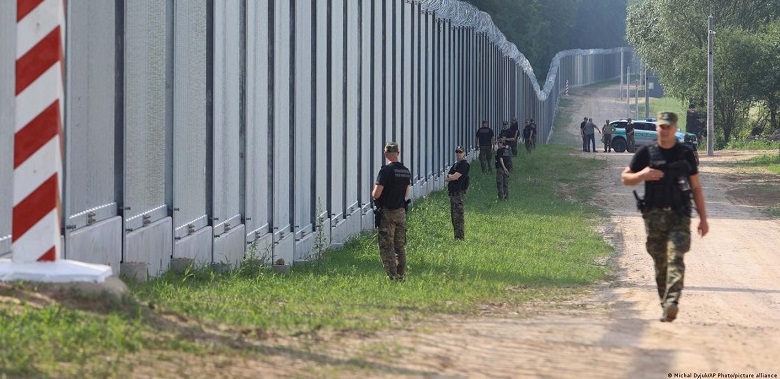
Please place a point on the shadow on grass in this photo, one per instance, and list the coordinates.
(166, 330)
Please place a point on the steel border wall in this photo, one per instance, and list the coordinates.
(225, 130)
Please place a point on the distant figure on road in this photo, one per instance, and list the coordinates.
(589, 130)
(630, 141)
(671, 178)
(606, 132)
(582, 134)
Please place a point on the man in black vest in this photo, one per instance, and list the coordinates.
(582, 133)
(456, 180)
(389, 194)
(671, 177)
(512, 136)
(630, 141)
(486, 139)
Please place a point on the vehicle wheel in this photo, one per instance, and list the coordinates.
(619, 145)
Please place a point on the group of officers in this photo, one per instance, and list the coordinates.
(668, 169)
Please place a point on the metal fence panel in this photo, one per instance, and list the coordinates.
(396, 71)
(352, 131)
(365, 119)
(189, 117)
(282, 169)
(7, 120)
(321, 108)
(337, 119)
(388, 45)
(414, 88)
(304, 119)
(146, 101)
(407, 131)
(227, 98)
(428, 81)
(377, 103)
(92, 180)
(258, 143)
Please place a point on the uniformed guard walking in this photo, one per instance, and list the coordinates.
(389, 194)
(670, 174)
(457, 181)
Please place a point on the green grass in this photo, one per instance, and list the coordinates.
(769, 162)
(534, 240)
(759, 144)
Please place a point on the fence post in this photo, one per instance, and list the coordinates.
(37, 176)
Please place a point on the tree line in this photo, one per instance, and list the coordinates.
(671, 38)
(542, 28)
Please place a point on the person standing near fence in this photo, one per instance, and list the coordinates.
(485, 139)
(514, 136)
(457, 182)
(529, 133)
(503, 166)
(390, 191)
(607, 131)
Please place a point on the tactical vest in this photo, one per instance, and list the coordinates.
(674, 189)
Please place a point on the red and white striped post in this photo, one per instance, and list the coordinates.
(567, 87)
(38, 149)
(38, 130)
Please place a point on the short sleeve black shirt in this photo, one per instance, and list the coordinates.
(485, 136)
(395, 178)
(463, 168)
(629, 129)
(507, 133)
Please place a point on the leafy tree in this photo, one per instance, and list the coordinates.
(542, 28)
(671, 37)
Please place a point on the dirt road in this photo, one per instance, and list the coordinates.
(729, 321)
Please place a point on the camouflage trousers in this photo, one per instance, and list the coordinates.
(668, 239)
(392, 242)
(457, 203)
(513, 147)
(502, 183)
(607, 142)
(485, 156)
